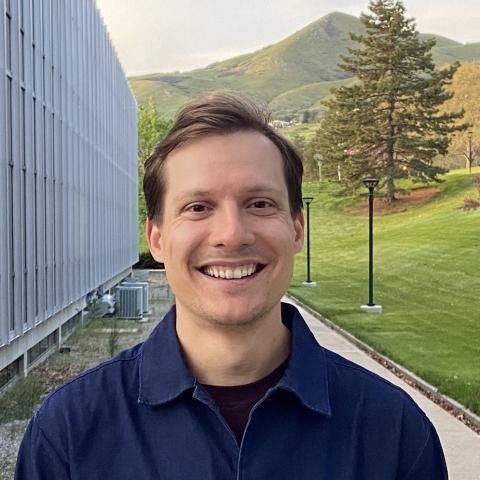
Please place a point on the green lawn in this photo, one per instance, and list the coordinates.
(305, 130)
(427, 278)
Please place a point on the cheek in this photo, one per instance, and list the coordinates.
(281, 234)
(181, 242)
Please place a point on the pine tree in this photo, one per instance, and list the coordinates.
(388, 124)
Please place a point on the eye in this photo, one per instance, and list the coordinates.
(262, 207)
(261, 204)
(197, 208)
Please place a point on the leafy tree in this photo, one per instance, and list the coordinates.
(466, 87)
(388, 124)
(310, 168)
(152, 127)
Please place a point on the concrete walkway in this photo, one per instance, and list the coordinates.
(460, 444)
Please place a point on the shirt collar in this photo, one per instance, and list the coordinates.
(164, 375)
(306, 375)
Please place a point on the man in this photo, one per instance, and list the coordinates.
(231, 384)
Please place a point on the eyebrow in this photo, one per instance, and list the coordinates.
(254, 189)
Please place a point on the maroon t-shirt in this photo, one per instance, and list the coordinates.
(236, 402)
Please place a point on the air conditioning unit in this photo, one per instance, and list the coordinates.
(130, 283)
(129, 301)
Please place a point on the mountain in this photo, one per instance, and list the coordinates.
(292, 75)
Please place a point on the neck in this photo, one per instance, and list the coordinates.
(233, 356)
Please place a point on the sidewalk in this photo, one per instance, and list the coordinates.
(460, 444)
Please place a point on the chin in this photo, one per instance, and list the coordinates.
(236, 316)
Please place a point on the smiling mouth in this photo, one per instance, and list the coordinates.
(227, 273)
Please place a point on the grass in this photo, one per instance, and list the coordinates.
(426, 278)
(20, 400)
(305, 130)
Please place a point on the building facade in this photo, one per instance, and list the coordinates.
(68, 173)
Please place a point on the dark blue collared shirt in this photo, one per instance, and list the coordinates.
(144, 416)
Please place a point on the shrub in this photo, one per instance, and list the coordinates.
(147, 261)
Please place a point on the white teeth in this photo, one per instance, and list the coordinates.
(237, 273)
(230, 273)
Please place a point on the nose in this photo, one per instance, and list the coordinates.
(231, 227)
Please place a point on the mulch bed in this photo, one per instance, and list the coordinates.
(404, 201)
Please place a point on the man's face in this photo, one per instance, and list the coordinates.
(227, 237)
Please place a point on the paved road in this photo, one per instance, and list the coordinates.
(461, 445)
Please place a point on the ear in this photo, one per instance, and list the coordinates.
(298, 225)
(154, 240)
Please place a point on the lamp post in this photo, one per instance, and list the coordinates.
(370, 307)
(308, 282)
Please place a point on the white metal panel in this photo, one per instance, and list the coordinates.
(68, 189)
(29, 261)
(16, 206)
(4, 233)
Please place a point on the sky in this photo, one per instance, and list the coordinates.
(178, 35)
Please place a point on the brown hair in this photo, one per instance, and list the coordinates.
(217, 114)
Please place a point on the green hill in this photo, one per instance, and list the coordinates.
(169, 97)
(426, 279)
(440, 40)
(462, 53)
(305, 97)
(292, 75)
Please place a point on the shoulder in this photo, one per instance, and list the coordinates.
(95, 388)
(360, 383)
(376, 401)
(385, 417)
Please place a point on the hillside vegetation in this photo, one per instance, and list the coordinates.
(466, 85)
(426, 278)
(292, 75)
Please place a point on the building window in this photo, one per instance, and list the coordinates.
(11, 371)
(41, 348)
(69, 326)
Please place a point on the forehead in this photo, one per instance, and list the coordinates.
(233, 162)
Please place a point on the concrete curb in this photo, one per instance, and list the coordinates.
(453, 407)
